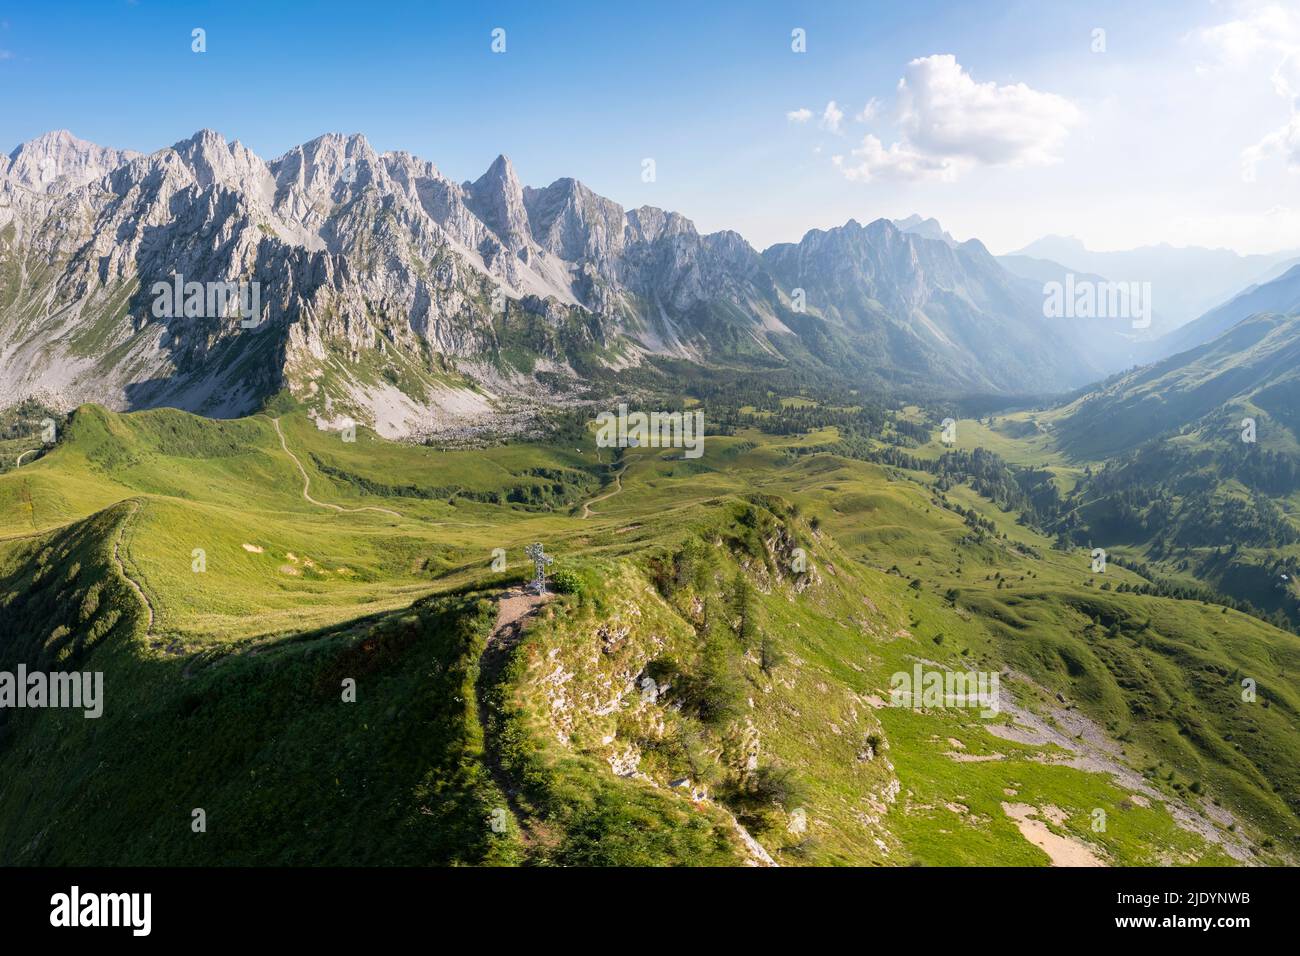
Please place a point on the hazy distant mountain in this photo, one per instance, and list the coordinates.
(926, 228)
(1112, 344)
(1042, 270)
(391, 293)
(1186, 282)
(1277, 270)
(1281, 295)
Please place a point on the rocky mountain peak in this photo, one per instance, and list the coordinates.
(503, 171)
(649, 223)
(571, 221)
(925, 228)
(319, 166)
(497, 198)
(57, 160)
(214, 161)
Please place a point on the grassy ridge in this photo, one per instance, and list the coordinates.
(777, 678)
(285, 770)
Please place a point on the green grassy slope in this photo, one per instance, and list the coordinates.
(768, 590)
(284, 771)
(1249, 369)
(1189, 469)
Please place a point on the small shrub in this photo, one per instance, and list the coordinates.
(776, 785)
(566, 581)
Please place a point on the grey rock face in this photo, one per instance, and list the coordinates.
(58, 160)
(390, 293)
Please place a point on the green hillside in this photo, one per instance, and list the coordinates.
(711, 686)
(1189, 469)
(1249, 370)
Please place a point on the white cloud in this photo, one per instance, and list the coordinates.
(1270, 28)
(900, 161)
(949, 123)
(945, 112)
(832, 117)
(869, 112)
(1267, 34)
(1283, 142)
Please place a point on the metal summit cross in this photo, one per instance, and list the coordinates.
(540, 560)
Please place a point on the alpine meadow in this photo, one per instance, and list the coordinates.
(357, 511)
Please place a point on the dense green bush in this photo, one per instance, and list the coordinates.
(566, 581)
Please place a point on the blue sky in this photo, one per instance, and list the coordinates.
(1140, 143)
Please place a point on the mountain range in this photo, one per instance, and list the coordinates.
(390, 293)
(1280, 295)
(1186, 281)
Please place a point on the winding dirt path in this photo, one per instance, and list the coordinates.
(30, 451)
(306, 482)
(514, 608)
(618, 486)
(117, 559)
